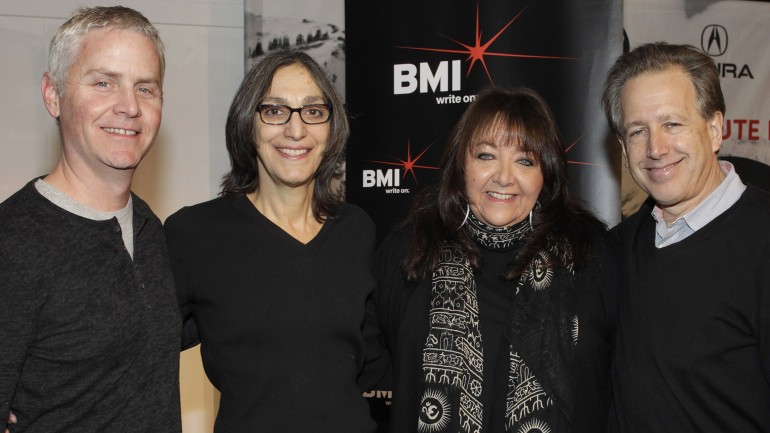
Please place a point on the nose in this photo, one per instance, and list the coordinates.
(128, 104)
(503, 173)
(295, 128)
(656, 145)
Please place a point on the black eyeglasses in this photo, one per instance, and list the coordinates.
(277, 114)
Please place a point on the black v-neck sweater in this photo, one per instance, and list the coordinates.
(694, 325)
(283, 325)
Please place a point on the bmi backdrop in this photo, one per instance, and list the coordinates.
(413, 68)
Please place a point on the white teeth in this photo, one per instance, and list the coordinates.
(293, 152)
(119, 131)
(500, 196)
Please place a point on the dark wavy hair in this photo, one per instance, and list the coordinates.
(658, 57)
(438, 212)
(240, 130)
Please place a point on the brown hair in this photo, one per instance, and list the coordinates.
(657, 57)
(240, 130)
(438, 213)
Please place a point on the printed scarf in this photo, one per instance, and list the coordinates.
(541, 333)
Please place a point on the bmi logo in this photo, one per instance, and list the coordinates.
(445, 77)
(391, 178)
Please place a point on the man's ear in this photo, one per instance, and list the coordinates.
(625, 153)
(715, 130)
(50, 95)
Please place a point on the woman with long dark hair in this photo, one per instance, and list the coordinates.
(276, 273)
(497, 295)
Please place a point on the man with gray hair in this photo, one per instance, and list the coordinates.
(693, 346)
(90, 332)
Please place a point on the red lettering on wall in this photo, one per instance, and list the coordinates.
(753, 129)
(742, 129)
(739, 123)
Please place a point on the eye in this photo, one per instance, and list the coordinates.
(274, 111)
(486, 156)
(315, 111)
(635, 134)
(102, 84)
(526, 162)
(312, 111)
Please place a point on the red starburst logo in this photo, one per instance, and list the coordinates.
(479, 50)
(569, 161)
(409, 164)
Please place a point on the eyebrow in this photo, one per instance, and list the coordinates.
(628, 125)
(118, 75)
(282, 100)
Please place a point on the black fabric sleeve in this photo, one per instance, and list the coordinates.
(763, 314)
(391, 284)
(376, 372)
(608, 252)
(17, 328)
(177, 250)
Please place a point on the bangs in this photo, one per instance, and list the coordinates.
(506, 130)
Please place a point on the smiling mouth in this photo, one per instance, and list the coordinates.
(293, 152)
(499, 196)
(657, 170)
(120, 131)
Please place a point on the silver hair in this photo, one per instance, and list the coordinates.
(65, 44)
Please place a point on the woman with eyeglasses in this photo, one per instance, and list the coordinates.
(276, 273)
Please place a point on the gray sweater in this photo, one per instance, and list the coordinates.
(89, 339)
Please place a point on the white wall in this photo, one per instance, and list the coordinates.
(204, 65)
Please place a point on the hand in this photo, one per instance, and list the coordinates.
(11, 420)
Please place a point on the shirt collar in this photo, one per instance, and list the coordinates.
(725, 195)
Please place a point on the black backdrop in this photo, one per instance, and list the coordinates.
(412, 68)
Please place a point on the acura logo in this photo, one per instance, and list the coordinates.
(713, 40)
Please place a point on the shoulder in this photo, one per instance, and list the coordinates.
(393, 249)
(205, 223)
(18, 202)
(634, 221)
(192, 216)
(351, 212)
(594, 228)
(578, 228)
(27, 216)
(756, 201)
(389, 260)
(745, 220)
(352, 217)
(142, 209)
(23, 225)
